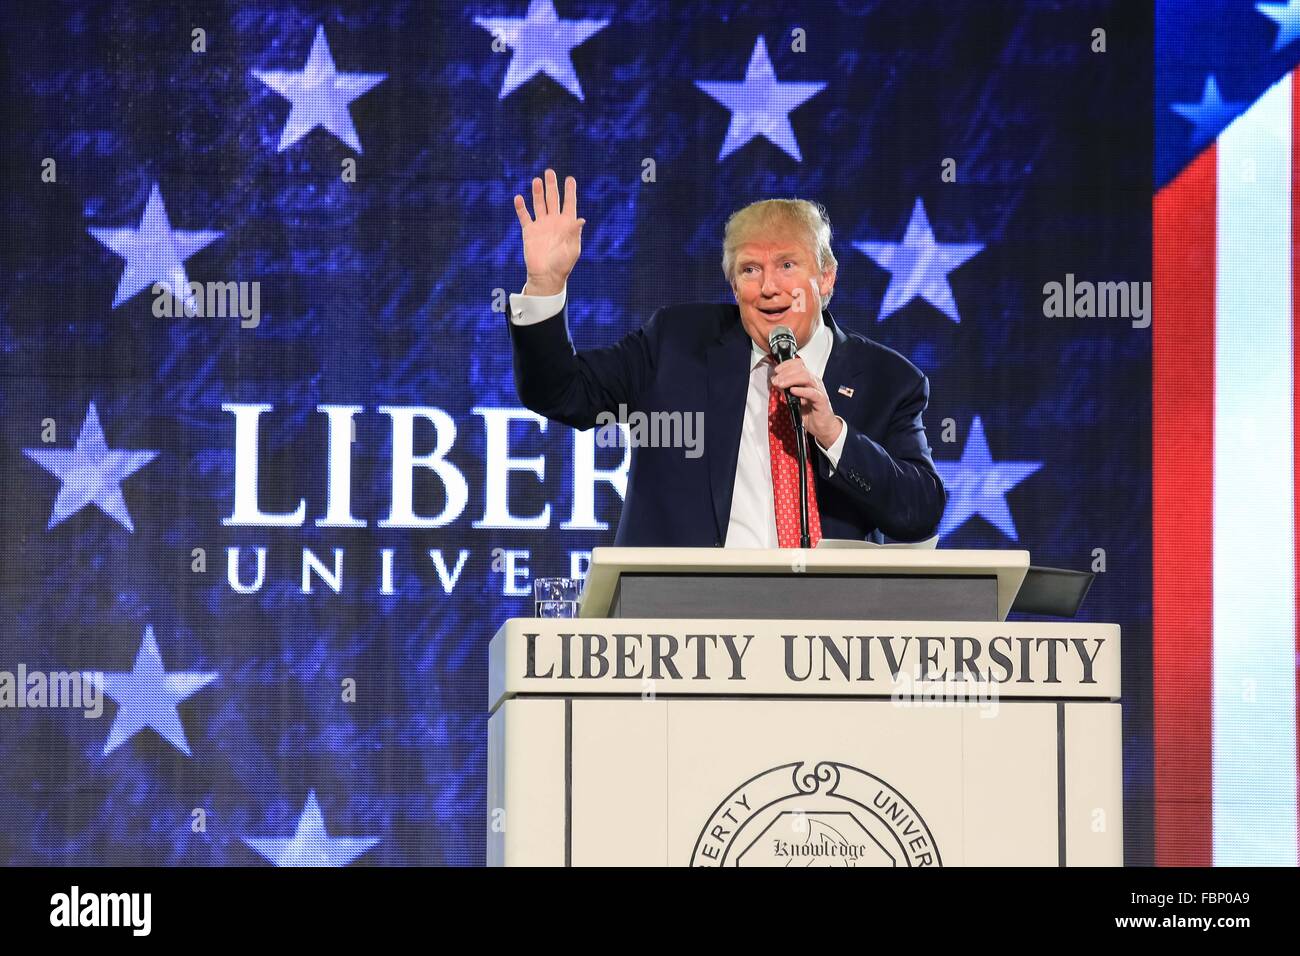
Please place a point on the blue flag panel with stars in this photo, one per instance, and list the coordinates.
(267, 482)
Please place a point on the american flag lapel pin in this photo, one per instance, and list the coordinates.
(846, 391)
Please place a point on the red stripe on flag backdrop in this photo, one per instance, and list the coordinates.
(1182, 463)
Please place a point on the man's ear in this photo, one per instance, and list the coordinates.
(826, 283)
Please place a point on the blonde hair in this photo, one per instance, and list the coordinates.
(775, 215)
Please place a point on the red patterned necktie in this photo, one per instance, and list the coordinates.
(785, 475)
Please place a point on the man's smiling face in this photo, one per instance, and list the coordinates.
(777, 282)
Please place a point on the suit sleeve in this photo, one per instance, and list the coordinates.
(571, 387)
(895, 483)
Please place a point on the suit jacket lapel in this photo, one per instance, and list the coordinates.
(841, 366)
(728, 366)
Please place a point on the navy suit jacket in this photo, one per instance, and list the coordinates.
(695, 358)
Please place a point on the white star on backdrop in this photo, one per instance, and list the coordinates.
(91, 473)
(1211, 114)
(760, 105)
(1287, 17)
(978, 485)
(310, 844)
(153, 250)
(540, 43)
(147, 697)
(320, 95)
(919, 266)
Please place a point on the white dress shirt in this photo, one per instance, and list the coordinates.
(753, 513)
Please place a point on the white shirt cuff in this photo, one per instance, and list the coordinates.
(837, 447)
(531, 309)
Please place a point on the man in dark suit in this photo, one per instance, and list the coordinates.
(861, 403)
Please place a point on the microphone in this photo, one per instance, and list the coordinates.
(782, 344)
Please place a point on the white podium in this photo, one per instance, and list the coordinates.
(753, 741)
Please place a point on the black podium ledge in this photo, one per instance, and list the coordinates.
(824, 584)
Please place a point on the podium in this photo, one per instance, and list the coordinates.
(825, 707)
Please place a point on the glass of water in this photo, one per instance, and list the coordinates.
(556, 597)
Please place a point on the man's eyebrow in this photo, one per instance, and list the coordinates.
(786, 254)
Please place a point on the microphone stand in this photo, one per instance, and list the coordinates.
(801, 452)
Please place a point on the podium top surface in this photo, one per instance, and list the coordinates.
(608, 564)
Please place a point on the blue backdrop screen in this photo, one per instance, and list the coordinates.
(277, 534)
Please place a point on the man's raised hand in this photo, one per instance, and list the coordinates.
(552, 235)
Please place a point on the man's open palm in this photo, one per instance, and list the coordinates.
(552, 235)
